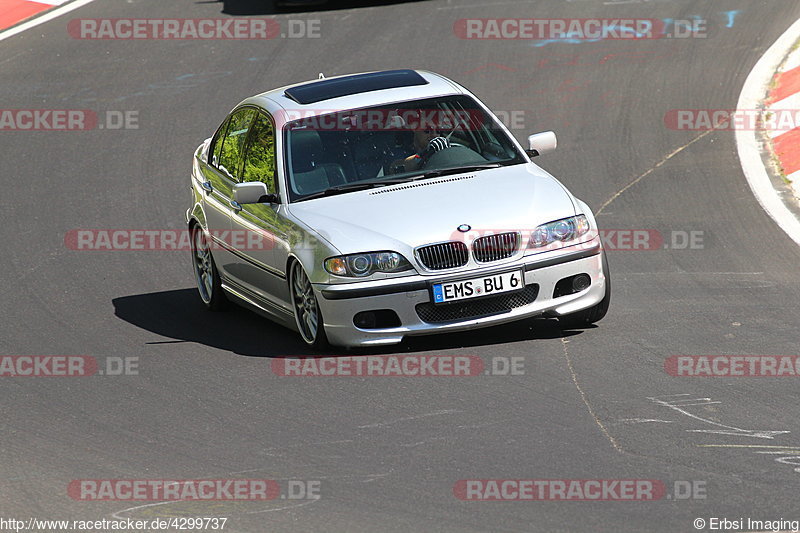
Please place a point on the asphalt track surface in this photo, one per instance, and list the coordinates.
(389, 451)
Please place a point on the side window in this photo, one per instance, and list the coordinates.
(216, 143)
(230, 158)
(259, 162)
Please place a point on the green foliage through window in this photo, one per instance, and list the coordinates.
(259, 164)
(231, 157)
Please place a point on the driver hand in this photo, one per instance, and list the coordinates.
(437, 144)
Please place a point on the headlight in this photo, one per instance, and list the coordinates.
(362, 265)
(563, 230)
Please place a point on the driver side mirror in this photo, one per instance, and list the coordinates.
(253, 192)
(541, 143)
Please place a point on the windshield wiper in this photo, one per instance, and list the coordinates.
(347, 187)
(444, 172)
(457, 170)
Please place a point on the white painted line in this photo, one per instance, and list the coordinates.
(794, 177)
(678, 404)
(793, 61)
(749, 147)
(50, 15)
(49, 2)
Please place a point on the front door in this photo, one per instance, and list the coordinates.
(260, 237)
(221, 172)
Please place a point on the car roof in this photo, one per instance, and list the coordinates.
(355, 91)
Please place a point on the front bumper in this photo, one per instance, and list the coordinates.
(341, 302)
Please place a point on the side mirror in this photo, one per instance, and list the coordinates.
(541, 143)
(253, 192)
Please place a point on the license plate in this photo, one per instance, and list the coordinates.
(476, 287)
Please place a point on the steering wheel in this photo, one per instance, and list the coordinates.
(454, 156)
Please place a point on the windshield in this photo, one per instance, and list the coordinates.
(350, 150)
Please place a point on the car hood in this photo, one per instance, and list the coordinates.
(402, 217)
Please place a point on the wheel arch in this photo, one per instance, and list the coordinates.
(197, 217)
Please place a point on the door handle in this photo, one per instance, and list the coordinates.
(206, 185)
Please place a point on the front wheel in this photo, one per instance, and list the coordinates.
(584, 318)
(209, 284)
(307, 313)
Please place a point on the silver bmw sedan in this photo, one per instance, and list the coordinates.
(362, 209)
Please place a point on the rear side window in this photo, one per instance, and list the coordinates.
(232, 149)
(259, 162)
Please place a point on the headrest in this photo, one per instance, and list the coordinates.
(306, 149)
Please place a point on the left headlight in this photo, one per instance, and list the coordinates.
(363, 265)
(563, 230)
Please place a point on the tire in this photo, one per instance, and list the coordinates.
(589, 316)
(206, 276)
(307, 313)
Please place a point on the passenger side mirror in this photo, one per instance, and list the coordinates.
(541, 143)
(253, 192)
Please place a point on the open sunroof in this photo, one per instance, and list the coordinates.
(318, 91)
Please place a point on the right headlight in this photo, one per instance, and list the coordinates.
(363, 265)
(564, 230)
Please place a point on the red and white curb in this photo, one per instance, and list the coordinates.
(17, 11)
(784, 97)
(750, 146)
